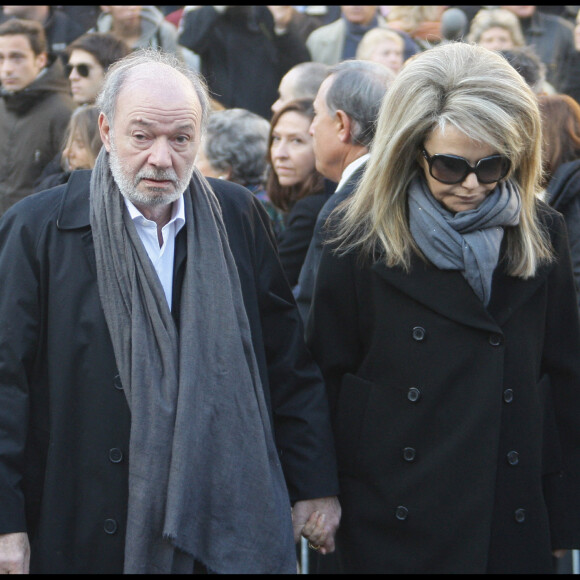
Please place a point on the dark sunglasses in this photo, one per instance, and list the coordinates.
(84, 70)
(452, 169)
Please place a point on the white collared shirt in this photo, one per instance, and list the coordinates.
(350, 169)
(161, 257)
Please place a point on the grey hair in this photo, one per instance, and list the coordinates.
(237, 140)
(309, 77)
(358, 88)
(119, 72)
(488, 18)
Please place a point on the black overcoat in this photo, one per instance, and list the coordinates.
(457, 427)
(64, 419)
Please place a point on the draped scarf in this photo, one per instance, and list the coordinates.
(468, 241)
(205, 481)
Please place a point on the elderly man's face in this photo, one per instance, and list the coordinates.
(154, 138)
(324, 130)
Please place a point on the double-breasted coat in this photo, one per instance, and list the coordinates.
(64, 419)
(457, 426)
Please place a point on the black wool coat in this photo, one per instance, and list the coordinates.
(457, 426)
(64, 419)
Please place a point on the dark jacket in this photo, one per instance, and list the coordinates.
(64, 418)
(33, 124)
(61, 29)
(456, 426)
(295, 238)
(564, 195)
(242, 58)
(552, 38)
(307, 277)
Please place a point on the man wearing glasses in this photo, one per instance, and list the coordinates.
(89, 57)
(35, 108)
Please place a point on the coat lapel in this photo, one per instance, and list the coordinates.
(448, 293)
(443, 291)
(508, 293)
(74, 213)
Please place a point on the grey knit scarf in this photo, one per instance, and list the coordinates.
(468, 241)
(205, 480)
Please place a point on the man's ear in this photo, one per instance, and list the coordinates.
(41, 60)
(105, 131)
(344, 125)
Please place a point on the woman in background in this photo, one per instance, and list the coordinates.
(384, 46)
(235, 147)
(561, 154)
(496, 29)
(81, 147)
(294, 185)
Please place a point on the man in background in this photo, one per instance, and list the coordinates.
(35, 108)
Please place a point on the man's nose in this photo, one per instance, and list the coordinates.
(160, 154)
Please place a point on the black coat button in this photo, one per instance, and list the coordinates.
(413, 394)
(401, 513)
(513, 457)
(115, 455)
(520, 515)
(495, 339)
(110, 526)
(508, 395)
(419, 333)
(409, 454)
(117, 382)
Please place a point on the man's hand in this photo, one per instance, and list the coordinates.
(317, 520)
(14, 553)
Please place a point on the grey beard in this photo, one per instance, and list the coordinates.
(156, 196)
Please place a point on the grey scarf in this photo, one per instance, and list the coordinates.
(205, 480)
(468, 241)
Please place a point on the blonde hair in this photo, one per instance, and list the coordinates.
(408, 18)
(373, 38)
(471, 89)
(83, 126)
(496, 18)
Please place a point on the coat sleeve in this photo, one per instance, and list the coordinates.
(197, 29)
(561, 362)
(294, 240)
(292, 381)
(572, 217)
(332, 325)
(19, 332)
(300, 409)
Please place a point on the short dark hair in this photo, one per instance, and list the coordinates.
(527, 62)
(105, 47)
(32, 29)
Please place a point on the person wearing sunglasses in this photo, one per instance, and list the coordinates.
(445, 323)
(89, 58)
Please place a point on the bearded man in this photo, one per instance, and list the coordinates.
(159, 412)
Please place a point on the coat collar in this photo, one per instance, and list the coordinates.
(74, 211)
(448, 293)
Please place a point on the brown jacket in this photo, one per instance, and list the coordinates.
(33, 123)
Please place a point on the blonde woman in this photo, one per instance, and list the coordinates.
(496, 29)
(445, 324)
(383, 46)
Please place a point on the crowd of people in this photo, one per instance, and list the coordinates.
(284, 274)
